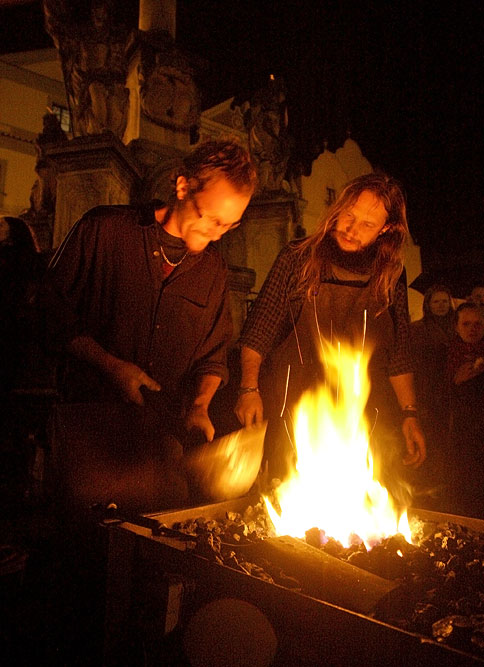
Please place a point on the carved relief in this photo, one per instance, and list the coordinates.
(40, 215)
(266, 120)
(168, 94)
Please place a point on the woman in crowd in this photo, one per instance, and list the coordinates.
(466, 379)
(430, 339)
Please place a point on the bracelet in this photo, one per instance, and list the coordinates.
(247, 390)
(411, 408)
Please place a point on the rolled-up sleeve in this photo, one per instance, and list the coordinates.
(401, 361)
(269, 319)
(211, 356)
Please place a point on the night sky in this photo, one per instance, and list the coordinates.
(405, 78)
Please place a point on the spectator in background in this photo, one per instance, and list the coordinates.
(430, 339)
(19, 266)
(466, 376)
(477, 295)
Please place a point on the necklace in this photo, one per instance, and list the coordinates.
(168, 261)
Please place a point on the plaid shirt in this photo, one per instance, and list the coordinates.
(270, 320)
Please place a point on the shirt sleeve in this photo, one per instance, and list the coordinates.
(64, 286)
(270, 317)
(400, 357)
(212, 354)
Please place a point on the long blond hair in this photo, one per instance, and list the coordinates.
(387, 267)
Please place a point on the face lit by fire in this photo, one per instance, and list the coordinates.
(361, 224)
(207, 215)
(470, 325)
(439, 304)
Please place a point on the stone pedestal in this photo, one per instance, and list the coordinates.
(91, 171)
(270, 221)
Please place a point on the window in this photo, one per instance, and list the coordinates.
(63, 116)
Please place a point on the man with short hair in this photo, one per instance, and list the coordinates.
(136, 297)
(342, 283)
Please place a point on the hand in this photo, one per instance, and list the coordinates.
(128, 379)
(249, 409)
(197, 418)
(415, 441)
(468, 370)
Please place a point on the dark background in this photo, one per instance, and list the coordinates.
(404, 78)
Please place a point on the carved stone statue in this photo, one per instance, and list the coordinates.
(266, 120)
(168, 94)
(94, 61)
(40, 215)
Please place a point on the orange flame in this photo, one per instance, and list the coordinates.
(334, 485)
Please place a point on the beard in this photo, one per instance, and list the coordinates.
(359, 261)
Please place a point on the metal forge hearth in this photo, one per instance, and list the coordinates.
(318, 609)
(157, 588)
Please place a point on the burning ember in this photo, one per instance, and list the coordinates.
(335, 485)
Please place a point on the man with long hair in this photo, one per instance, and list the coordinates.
(342, 283)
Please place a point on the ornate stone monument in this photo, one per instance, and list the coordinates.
(93, 53)
(133, 103)
(91, 171)
(40, 215)
(273, 217)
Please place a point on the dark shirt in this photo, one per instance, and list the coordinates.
(430, 338)
(278, 305)
(106, 281)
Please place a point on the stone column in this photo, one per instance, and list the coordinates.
(241, 282)
(164, 100)
(90, 171)
(158, 15)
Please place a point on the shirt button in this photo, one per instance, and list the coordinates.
(156, 253)
(157, 326)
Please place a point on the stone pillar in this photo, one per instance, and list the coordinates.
(90, 171)
(270, 221)
(158, 15)
(164, 101)
(241, 282)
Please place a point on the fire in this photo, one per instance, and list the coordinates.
(334, 486)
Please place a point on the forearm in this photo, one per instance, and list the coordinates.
(249, 408)
(414, 438)
(197, 418)
(124, 376)
(88, 350)
(207, 385)
(403, 386)
(250, 367)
